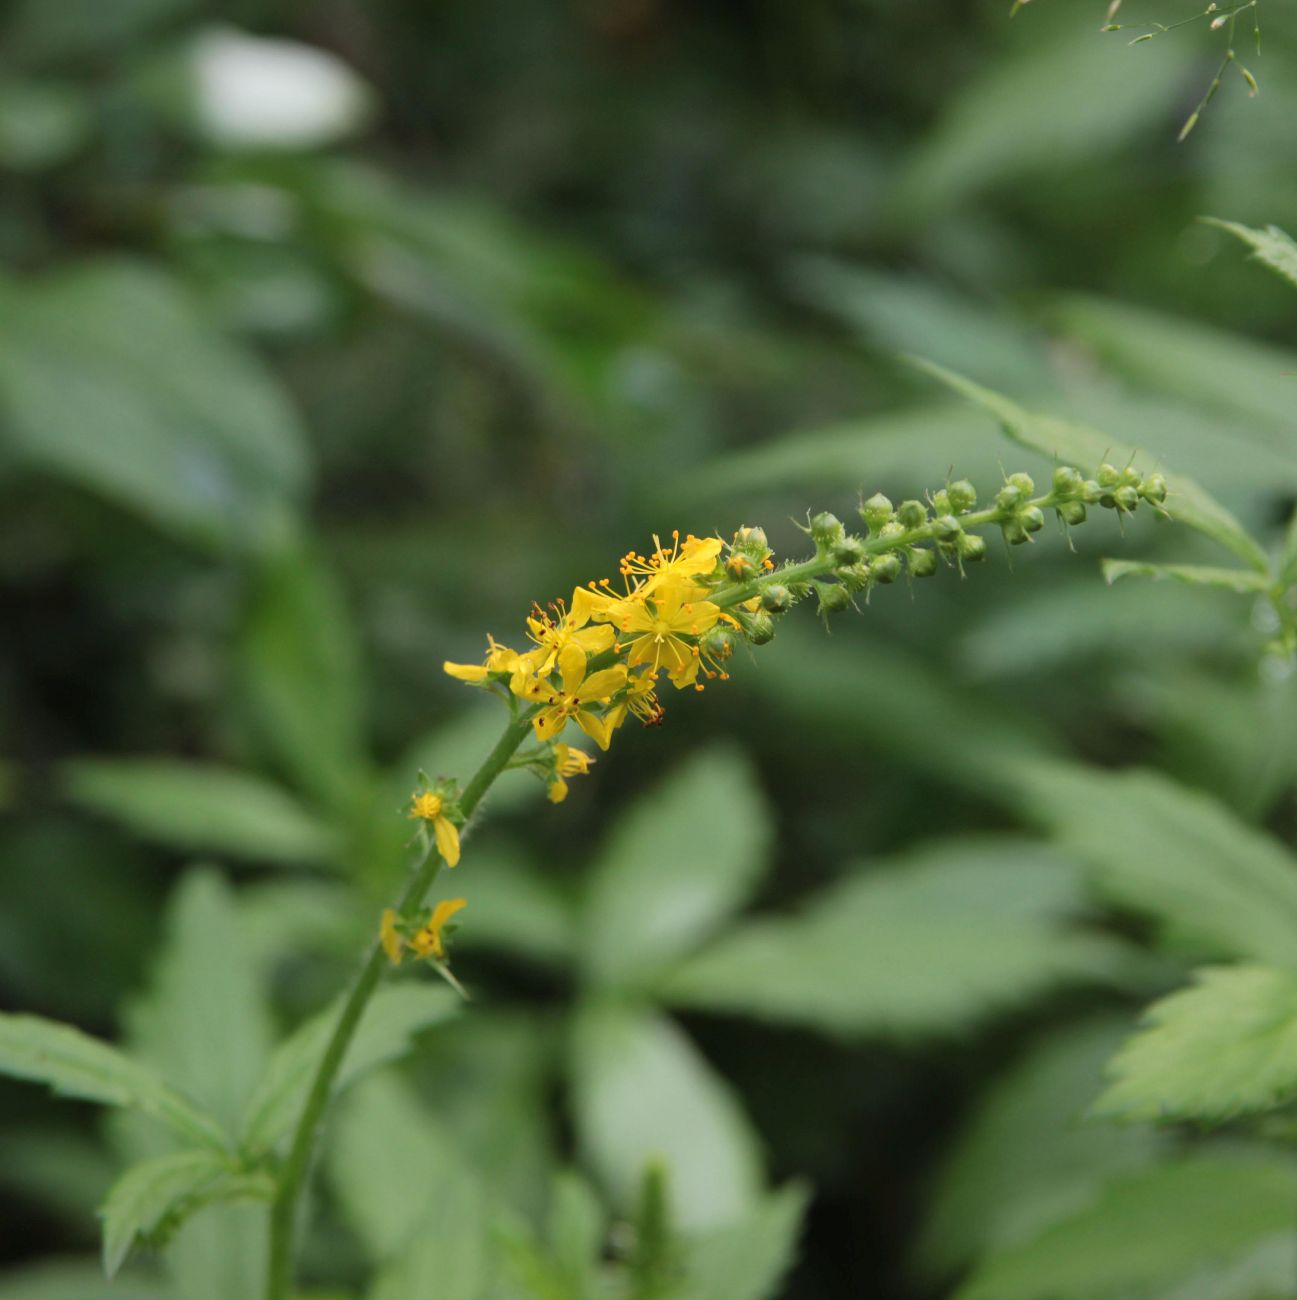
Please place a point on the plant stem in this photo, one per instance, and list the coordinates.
(292, 1178)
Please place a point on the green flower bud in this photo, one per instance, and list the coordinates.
(945, 528)
(1153, 489)
(740, 567)
(854, 577)
(776, 598)
(718, 642)
(799, 590)
(1067, 481)
(758, 627)
(1071, 512)
(826, 529)
(972, 547)
(1091, 492)
(850, 550)
(876, 512)
(1130, 477)
(1032, 519)
(1023, 482)
(1126, 497)
(912, 514)
(1109, 475)
(941, 503)
(1009, 497)
(891, 530)
(1014, 533)
(922, 562)
(749, 535)
(833, 597)
(962, 496)
(886, 568)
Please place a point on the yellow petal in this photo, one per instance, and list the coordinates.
(571, 667)
(594, 727)
(548, 723)
(557, 790)
(603, 684)
(587, 604)
(444, 911)
(595, 640)
(465, 672)
(389, 938)
(447, 838)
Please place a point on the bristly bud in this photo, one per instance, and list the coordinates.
(912, 514)
(776, 599)
(833, 597)
(876, 512)
(1067, 481)
(1126, 497)
(922, 563)
(972, 548)
(1014, 533)
(1032, 519)
(757, 626)
(1023, 482)
(1071, 512)
(885, 568)
(1009, 497)
(891, 530)
(740, 567)
(854, 577)
(1092, 492)
(850, 550)
(826, 529)
(750, 535)
(1153, 489)
(945, 528)
(1109, 475)
(962, 496)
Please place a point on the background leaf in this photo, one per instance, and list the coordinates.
(1271, 246)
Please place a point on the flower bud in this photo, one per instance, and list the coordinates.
(1153, 489)
(854, 577)
(962, 496)
(826, 529)
(850, 550)
(891, 530)
(912, 514)
(740, 567)
(1109, 475)
(749, 535)
(876, 512)
(758, 627)
(718, 642)
(833, 597)
(1071, 512)
(1091, 492)
(972, 547)
(776, 598)
(941, 502)
(922, 563)
(886, 568)
(1032, 519)
(1126, 497)
(1067, 481)
(1009, 497)
(1023, 482)
(945, 528)
(1014, 533)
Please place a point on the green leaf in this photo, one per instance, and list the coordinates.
(958, 932)
(201, 806)
(1216, 884)
(642, 1093)
(155, 1197)
(76, 1065)
(395, 1015)
(220, 1253)
(1243, 581)
(1024, 1159)
(1146, 1231)
(577, 1225)
(1226, 1046)
(205, 1022)
(1288, 559)
(1086, 448)
(448, 1257)
(188, 430)
(747, 1259)
(1271, 245)
(679, 862)
(300, 671)
(67, 1279)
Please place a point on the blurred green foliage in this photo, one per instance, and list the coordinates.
(333, 335)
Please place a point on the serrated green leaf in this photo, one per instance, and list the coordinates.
(1224, 1047)
(74, 1064)
(956, 933)
(394, 1016)
(678, 863)
(1271, 245)
(1024, 1158)
(164, 1191)
(748, 1259)
(1148, 1230)
(201, 806)
(642, 1093)
(205, 1021)
(1243, 581)
(1216, 884)
(1085, 448)
(188, 430)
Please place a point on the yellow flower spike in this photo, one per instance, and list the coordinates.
(390, 938)
(428, 942)
(573, 701)
(427, 807)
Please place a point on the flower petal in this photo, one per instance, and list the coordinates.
(447, 837)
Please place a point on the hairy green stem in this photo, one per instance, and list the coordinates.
(292, 1178)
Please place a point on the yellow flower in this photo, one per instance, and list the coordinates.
(639, 698)
(687, 559)
(567, 762)
(428, 941)
(499, 659)
(658, 625)
(573, 701)
(428, 807)
(552, 636)
(390, 937)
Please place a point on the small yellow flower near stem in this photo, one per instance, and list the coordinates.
(427, 806)
(499, 659)
(428, 942)
(567, 762)
(573, 701)
(390, 937)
